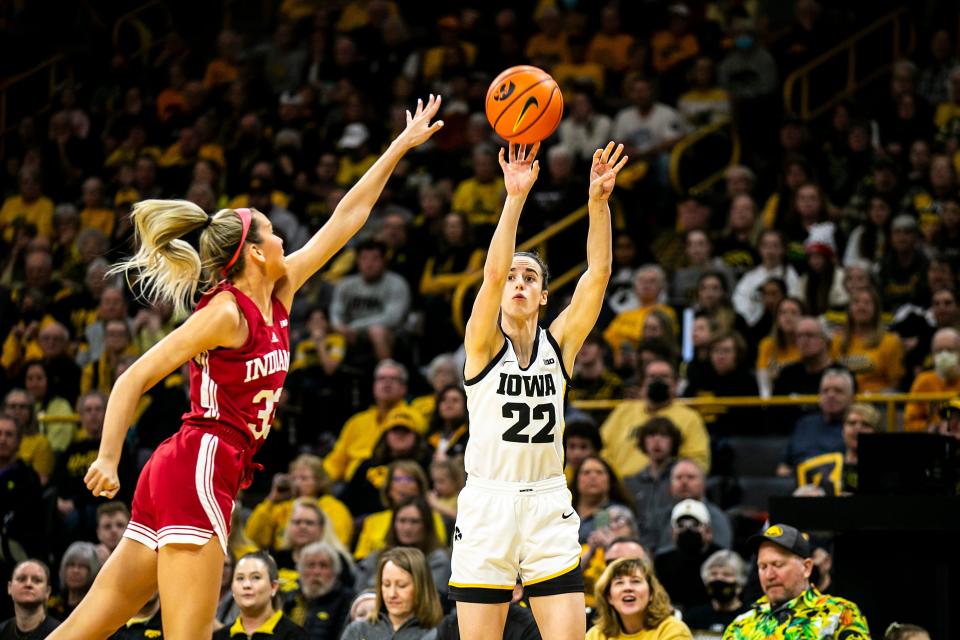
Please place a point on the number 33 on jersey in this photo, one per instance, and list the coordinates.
(516, 415)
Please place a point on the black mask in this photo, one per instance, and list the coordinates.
(722, 591)
(658, 391)
(690, 541)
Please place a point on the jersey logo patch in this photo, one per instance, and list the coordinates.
(549, 361)
(566, 515)
(274, 338)
(456, 533)
(283, 323)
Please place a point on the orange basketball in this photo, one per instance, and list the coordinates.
(524, 104)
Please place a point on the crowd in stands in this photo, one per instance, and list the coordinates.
(825, 264)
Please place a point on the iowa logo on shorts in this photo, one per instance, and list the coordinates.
(456, 533)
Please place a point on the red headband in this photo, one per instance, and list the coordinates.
(245, 218)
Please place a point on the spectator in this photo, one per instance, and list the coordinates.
(898, 631)
(626, 262)
(669, 246)
(869, 240)
(700, 259)
(29, 588)
(621, 525)
(479, 196)
(875, 356)
(34, 448)
(648, 129)
(679, 564)
(713, 299)
(286, 223)
(111, 306)
(592, 379)
(611, 47)
(62, 372)
(308, 524)
(406, 606)
(581, 439)
(934, 81)
(687, 482)
(746, 295)
(736, 246)
(370, 306)
(860, 418)
(657, 392)
(54, 412)
(631, 600)
(100, 374)
(448, 478)
(905, 265)
(559, 193)
(361, 432)
(321, 603)
(594, 489)
(255, 589)
(29, 206)
(945, 376)
(728, 376)
(112, 520)
(705, 102)
(659, 439)
(548, 47)
(820, 432)
(789, 600)
(724, 574)
(624, 333)
(749, 71)
(812, 338)
(780, 348)
(78, 567)
(448, 431)
(584, 130)
(404, 479)
(821, 286)
(146, 623)
(21, 501)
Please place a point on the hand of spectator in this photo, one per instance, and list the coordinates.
(604, 170)
(419, 129)
(280, 488)
(433, 500)
(101, 479)
(784, 470)
(65, 506)
(521, 168)
(600, 538)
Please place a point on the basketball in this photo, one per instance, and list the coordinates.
(524, 104)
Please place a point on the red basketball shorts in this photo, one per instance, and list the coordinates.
(186, 490)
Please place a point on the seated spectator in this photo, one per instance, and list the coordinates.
(696, 347)
(360, 433)
(624, 333)
(448, 432)
(584, 130)
(62, 371)
(371, 305)
(410, 527)
(729, 376)
(34, 449)
(813, 346)
(713, 299)
(255, 589)
(610, 46)
(479, 195)
(580, 71)
(78, 567)
(111, 306)
(746, 296)
(669, 245)
(916, 325)
(700, 259)
(860, 418)
(659, 439)
(362, 605)
(592, 379)
(649, 129)
(404, 479)
(817, 438)
(687, 482)
(736, 246)
(905, 265)
(112, 520)
(21, 497)
(28, 206)
(705, 102)
(442, 372)
(145, 623)
(724, 574)
(676, 45)
(632, 602)
(308, 524)
(945, 376)
(678, 565)
(100, 374)
(29, 588)
(448, 478)
(594, 489)
(874, 355)
(779, 349)
(627, 260)
(622, 526)
(870, 241)
(821, 286)
(320, 604)
(54, 413)
(548, 46)
(784, 566)
(403, 439)
(899, 631)
(581, 439)
(406, 599)
(657, 392)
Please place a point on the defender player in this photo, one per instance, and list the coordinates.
(238, 346)
(515, 517)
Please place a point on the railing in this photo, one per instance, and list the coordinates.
(698, 138)
(538, 241)
(899, 23)
(136, 19)
(889, 400)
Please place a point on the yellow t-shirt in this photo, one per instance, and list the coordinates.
(772, 358)
(36, 451)
(876, 368)
(552, 50)
(306, 354)
(38, 213)
(98, 218)
(356, 442)
(670, 629)
(668, 50)
(619, 435)
(611, 51)
(373, 534)
(350, 171)
(916, 415)
(627, 327)
(480, 201)
(569, 73)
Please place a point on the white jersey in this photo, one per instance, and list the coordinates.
(516, 415)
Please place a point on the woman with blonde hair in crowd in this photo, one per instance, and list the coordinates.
(307, 479)
(779, 348)
(407, 605)
(860, 418)
(631, 603)
(873, 354)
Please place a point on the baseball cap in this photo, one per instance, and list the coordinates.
(690, 508)
(679, 9)
(785, 537)
(354, 135)
(407, 418)
(904, 222)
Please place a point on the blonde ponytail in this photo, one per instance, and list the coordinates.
(167, 268)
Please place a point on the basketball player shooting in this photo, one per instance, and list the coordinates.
(238, 345)
(515, 517)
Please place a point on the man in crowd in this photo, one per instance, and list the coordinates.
(657, 393)
(320, 603)
(945, 376)
(687, 482)
(21, 499)
(678, 566)
(112, 520)
(659, 439)
(789, 601)
(29, 588)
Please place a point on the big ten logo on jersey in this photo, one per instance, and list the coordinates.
(269, 363)
(536, 386)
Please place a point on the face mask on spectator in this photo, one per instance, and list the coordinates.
(658, 391)
(722, 591)
(690, 541)
(945, 363)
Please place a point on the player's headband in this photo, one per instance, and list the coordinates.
(245, 218)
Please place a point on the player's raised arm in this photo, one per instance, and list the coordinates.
(577, 320)
(483, 339)
(354, 209)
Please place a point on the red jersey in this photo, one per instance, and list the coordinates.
(238, 389)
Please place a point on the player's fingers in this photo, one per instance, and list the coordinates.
(409, 117)
(512, 154)
(535, 169)
(620, 164)
(436, 126)
(534, 152)
(605, 156)
(503, 163)
(616, 154)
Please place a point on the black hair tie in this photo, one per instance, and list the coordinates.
(207, 223)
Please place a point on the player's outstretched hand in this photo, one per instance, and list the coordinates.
(603, 172)
(521, 168)
(418, 128)
(101, 479)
